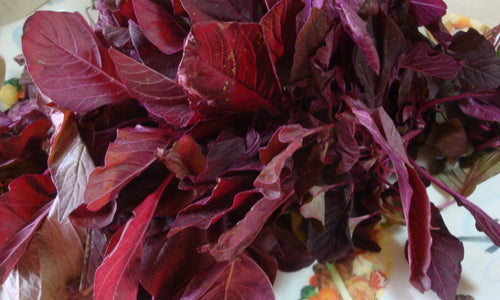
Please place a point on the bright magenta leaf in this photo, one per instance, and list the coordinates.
(70, 165)
(160, 96)
(427, 11)
(118, 275)
(131, 153)
(227, 67)
(67, 62)
(159, 26)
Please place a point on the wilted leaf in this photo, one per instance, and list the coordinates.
(70, 165)
(227, 67)
(131, 153)
(67, 62)
(471, 171)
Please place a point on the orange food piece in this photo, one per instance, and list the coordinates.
(327, 294)
(313, 297)
(313, 281)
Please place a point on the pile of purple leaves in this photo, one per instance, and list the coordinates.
(188, 149)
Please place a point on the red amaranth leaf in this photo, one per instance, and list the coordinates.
(427, 11)
(357, 29)
(416, 205)
(28, 141)
(447, 253)
(161, 96)
(131, 153)
(224, 10)
(309, 39)
(70, 165)
(227, 67)
(159, 26)
(278, 26)
(118, 276)
(67, 62)
(239, 279)
(423, 59)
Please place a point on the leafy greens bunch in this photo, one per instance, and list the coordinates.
(187, 149)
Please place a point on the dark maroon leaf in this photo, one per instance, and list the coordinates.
(357, 29)
(481, 65)
(70, 165)
(309, 39)
(160, 96)
(278, 26)
(118, 277)
(240, 279)
(230, 73)
(427, 11)
(85, 218)
(159, 26)
(185, 157)
(423, 59)
(131, 153)
(447, 253)
(68, 64)
(335, 241)
(224, 10)
(169, 264)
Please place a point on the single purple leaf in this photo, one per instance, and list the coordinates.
(486, 108)
(423, 59)
(70, 165)
(226, 66)
(131, 153)
(86, 218)
(357, 29)
(239, 279)
(161, 96)
(481, 65)
(224, 10)
(427, 11)
(118, 277)
(68, 64)
(447, 253)
(159, 26)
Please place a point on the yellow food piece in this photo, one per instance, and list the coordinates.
(8, 96)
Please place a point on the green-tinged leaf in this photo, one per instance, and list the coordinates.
(465, 175)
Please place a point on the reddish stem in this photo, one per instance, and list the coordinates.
(431, 104)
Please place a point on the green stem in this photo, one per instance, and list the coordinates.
(339, 282)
